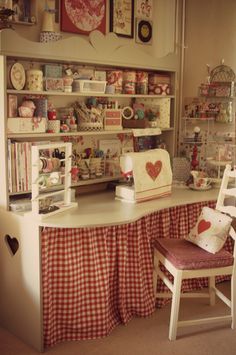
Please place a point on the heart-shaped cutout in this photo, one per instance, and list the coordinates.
(203, 225)
(12, 244)
(153, 170)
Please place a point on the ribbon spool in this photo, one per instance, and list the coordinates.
(127, 112)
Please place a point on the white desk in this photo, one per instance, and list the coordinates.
(96, 257)
(102, 209)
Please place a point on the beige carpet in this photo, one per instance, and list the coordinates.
(146, 336)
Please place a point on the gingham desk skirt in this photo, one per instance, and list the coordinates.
(96, 278)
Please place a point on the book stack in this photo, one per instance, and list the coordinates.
(19, 166)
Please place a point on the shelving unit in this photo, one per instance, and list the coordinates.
(208, 124)
(43, 202)
(39, 55)
(23, 271)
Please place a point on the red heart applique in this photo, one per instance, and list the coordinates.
(153, 170)
(203, 226)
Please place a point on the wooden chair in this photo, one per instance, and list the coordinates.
(174, 255)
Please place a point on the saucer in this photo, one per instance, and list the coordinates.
(192, 187)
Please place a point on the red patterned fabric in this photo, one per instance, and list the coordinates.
(187, 256)
(95, 278)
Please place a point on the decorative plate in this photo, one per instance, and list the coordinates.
(144, 31)
(192, 187)
(17, 76)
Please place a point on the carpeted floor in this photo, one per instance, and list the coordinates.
(147, 336)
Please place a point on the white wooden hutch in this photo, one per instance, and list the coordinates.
(21, 287)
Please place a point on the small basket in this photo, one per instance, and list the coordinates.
(91, 86)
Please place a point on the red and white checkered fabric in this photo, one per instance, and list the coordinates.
(95, 278)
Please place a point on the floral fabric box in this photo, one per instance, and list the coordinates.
(52, 71)
(54, 84)
(26, 125)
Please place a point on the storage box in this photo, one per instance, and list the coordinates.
(100, 75)
(41, 109)
(54, 84)
(112, 120)
(159, 84)
(132, 123)
(12, 105)
(52, 71)
(26, 125)
(90, 86)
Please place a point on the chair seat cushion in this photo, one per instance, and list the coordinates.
(187, 256)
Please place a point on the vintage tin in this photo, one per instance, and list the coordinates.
(115, 77)
(34, 80)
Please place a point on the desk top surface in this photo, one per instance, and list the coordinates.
(102, 209)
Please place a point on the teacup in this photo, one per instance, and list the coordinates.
(201, 182)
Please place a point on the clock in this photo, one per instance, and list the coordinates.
(144, 31)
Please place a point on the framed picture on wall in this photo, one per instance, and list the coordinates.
(83, 16)
(144, 9)
(22, 10)
(122, 17)
(143, 31)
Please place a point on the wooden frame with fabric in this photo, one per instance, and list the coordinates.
(184, 260)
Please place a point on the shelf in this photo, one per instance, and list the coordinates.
(83, 94)
(204, 119)
(79, 183)
(74, 134)
(218, 162)
(96, 181)
(24, 23)
(216, 97)
(68, 134)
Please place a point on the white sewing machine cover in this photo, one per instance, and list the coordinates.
(151, 172)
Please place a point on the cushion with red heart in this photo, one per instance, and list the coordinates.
(211, 230)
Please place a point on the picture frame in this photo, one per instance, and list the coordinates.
(144, 9)
(122, 17)
(90, 15)
(143, 31)
(22, 10)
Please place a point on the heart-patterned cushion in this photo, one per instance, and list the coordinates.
(211, 230)
(153, 170)
(203, 226)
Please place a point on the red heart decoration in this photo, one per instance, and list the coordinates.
(153, 170)
(203, 226)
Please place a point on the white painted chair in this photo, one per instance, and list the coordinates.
(172, 254)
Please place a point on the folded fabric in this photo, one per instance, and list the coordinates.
(211, 230)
